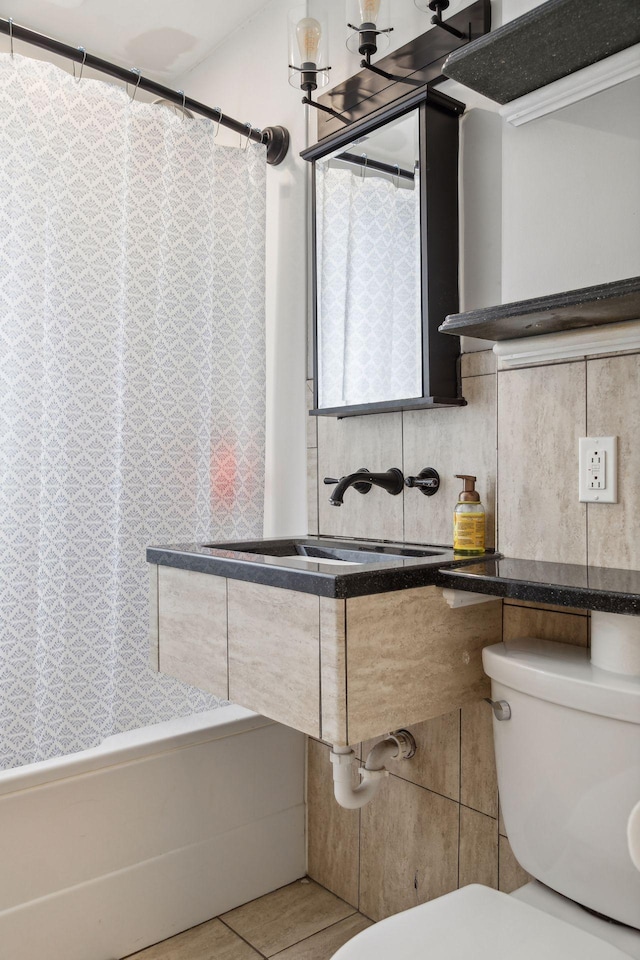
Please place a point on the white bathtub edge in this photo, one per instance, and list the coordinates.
(133, 745)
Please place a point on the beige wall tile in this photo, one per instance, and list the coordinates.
(411, 658)
(551, 607)
(408, 848)
(332, 831)
(192, 628)
(477, 364)
(333, 671)
(502, 830)
(436, 764)
(613, 409)
(210, 939)
(312, 490)
(541, 416)
(346, 445)
(478, 779)
(453, 440)
(322, 946)
(274, 659)
(278, 920)
(312, 422)
(510, 873)
(478, 849)
(564, 627)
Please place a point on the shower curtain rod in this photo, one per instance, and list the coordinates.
(276, 139)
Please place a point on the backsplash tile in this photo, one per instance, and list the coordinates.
(613, 409)
(563, 627)
(510, 874)
(477, 364)
(478, 848)
(436, 764)
(453, 440)
(478, 779)
(333, 832)
(408, 848)
(541, 415)
(346, 445)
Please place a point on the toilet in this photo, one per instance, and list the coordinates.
(568, 760)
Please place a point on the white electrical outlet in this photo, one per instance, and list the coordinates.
(598, 478)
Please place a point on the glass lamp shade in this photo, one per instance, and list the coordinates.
(368, 16)
(308, 49)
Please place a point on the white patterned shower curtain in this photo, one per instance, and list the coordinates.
(131, 390)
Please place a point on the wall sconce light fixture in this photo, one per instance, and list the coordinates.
(368, 21)
(308, 66)
(436, 7)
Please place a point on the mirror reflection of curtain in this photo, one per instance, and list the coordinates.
(369, 299)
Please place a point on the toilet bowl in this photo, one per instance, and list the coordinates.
(568, 762)
(478, 923)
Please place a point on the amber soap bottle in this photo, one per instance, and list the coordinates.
(468, 519)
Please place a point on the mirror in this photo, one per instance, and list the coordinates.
(385, 259)
(369, 310)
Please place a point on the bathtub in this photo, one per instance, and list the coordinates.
(109, 850)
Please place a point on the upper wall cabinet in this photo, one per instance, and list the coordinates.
(385, 259)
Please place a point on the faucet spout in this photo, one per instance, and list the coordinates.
(362, 480)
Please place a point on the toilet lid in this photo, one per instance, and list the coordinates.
(476, 923)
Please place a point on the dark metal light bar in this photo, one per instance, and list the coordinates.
(276, 139)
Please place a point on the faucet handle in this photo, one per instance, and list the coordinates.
(427, 481)
(330, 480)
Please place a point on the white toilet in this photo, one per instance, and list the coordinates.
(568, 763)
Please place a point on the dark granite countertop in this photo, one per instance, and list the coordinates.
(402, 566)
(568, 585)
(300, 573)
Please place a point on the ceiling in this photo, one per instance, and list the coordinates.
(162, 38)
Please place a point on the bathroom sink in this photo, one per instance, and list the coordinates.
(351, 553)
(326, 566)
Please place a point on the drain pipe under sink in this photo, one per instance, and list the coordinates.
(399, 744)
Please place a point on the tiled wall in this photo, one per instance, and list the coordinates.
(435, 824)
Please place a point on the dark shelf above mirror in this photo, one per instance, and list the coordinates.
(556, 313)
(551, 41)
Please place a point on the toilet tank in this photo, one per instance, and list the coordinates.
(568, 764)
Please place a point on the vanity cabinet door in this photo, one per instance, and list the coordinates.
(274, 653)
(410, 657)
(192, 628)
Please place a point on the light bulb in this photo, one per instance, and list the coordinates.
(308, 34)
(369, 10)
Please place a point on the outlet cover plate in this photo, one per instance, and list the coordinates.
(598, 471)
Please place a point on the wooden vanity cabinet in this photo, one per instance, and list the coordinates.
(342, 670)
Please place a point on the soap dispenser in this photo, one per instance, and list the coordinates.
(468, 519)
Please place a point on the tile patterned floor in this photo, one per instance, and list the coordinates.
(301, 921)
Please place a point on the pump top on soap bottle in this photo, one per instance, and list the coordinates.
(468, 519)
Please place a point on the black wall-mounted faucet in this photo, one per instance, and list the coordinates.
(362, 480)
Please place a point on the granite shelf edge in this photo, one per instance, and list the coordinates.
(556, 594)
(576, 309)
(538, 48)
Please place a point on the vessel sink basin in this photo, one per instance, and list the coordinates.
(352, 553)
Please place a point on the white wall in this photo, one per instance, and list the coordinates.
(571, 193)
(247, 77)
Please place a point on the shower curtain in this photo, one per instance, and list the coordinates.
(131, 390)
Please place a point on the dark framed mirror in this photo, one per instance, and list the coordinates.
(385, 259)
